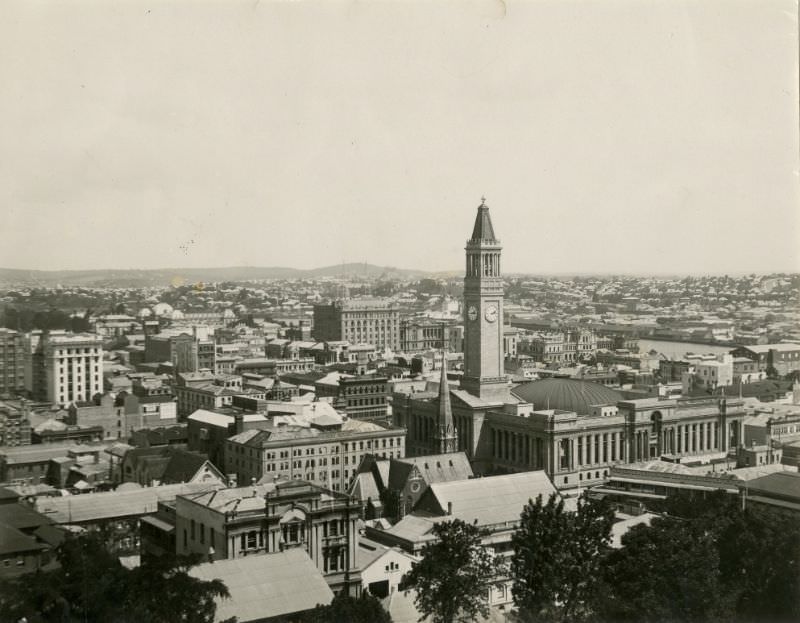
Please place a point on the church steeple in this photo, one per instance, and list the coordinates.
(446, 437)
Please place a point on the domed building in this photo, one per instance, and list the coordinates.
(566, 394)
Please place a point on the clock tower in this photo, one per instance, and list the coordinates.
(484, 374)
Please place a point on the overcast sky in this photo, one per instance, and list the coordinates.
(607, 136)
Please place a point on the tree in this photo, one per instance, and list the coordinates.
(365, 609)
(453, 577)
(708, 559)
(668, 571)
(91, 585)
(557, 558)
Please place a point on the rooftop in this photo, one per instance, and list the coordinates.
(91, 507)
(489, 500)
(566, 394)
(267, 585)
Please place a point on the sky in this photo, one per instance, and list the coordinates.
(606, 136)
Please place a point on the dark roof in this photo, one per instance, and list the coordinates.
(52, 535)
(566, 394)
(432, 468)
(12, 541)
(21, 517)
(780, 484)
(483, 229)
(183, 466)
(7, 495)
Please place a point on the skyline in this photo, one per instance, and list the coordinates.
(609, 138)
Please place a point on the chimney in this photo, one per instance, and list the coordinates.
(239, 423)
(449, 508)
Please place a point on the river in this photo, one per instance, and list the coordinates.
(676, 350)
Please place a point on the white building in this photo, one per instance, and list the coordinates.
(72, 366)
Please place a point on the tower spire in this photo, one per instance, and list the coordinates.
(446, 435)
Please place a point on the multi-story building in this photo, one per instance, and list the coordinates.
(782, 358)
(206, 354)
(327, 452)
(181, 350)
(214, 393)
(359, 321)
(102, 412)
(560, 347)
(67, 367)
(421, 334)
(274, 517)
(208, 431)
(362, 397)
(12, 362)
(15, 427)
(717, 372)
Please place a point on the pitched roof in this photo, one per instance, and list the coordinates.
(12, 541)
(183, 465)
(432, 468)
(781, 484)
(91, 507)
(483, 230)
(266, 585)
(489, 500)
(21, 517)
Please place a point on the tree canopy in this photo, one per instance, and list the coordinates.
(557, 558)
(365, 609)
(453, 577)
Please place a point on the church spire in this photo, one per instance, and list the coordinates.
(446, 436)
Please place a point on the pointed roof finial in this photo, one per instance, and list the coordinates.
(483, 200)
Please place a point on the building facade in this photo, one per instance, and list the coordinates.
(421, 334)
(68, 367)
(246, 521)
(326, 453)
(12, 362)
(359, 321)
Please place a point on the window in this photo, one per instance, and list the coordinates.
(191, 526)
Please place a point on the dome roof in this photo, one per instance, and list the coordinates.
(566, 394)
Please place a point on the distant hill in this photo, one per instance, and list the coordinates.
(176, 276)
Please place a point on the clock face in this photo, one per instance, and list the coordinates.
(491, 313)
(472, 313)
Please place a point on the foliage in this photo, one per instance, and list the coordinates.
(668, 571)
(365, 609)
(28, 318)
(91, 585)
(709, 559)
(557, 558)
(453, 577)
